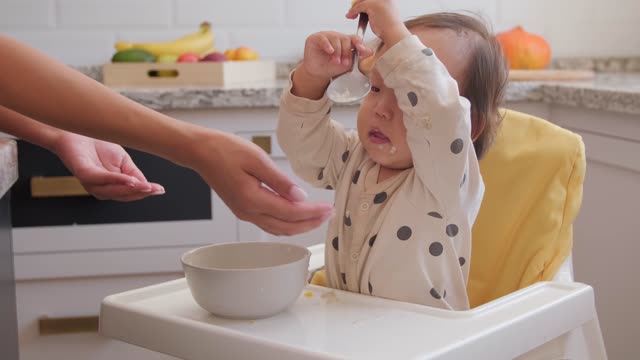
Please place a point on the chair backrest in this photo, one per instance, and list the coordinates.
(533, 176)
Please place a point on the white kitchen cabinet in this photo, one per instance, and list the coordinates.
(69, 283)
(63, 300)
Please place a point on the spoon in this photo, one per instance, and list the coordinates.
(351, 86)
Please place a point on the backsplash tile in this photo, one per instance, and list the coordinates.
(278, 28)
(236, 13)
(27, 14)
(70, 47)
(91, 14)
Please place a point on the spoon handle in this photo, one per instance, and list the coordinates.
(362, 24)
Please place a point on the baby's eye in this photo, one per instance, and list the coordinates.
(375, 89)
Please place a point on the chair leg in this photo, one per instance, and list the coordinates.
(594, 340)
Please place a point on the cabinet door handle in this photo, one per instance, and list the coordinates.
(264, 141)
(56, 186)
(68, 325)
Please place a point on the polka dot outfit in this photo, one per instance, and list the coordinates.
(407, 238)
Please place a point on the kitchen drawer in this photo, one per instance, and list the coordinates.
(188, 197)
(39, 266)
(68, 305)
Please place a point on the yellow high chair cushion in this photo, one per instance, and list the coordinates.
(533, 176)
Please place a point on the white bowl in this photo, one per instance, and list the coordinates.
(246, 280)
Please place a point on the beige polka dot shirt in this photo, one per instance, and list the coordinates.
(407, 238)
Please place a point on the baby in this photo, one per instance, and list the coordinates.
(407, 183)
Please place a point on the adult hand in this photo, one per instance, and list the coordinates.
(104, 169)
(237, 171)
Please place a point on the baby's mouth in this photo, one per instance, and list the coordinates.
(377, 137)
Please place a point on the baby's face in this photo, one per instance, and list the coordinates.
(380, 125)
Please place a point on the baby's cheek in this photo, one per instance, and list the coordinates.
(404, 156)
(400, 154)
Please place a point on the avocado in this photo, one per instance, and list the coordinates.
(133, 55)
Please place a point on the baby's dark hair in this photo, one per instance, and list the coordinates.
(486, 74)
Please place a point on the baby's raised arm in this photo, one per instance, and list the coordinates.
(447, 187)
(317, 146)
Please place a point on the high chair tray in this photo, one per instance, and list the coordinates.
(330, 324)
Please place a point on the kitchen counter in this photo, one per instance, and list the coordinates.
(617, 92)
(8, 313)
(249, 95)
(8, 165)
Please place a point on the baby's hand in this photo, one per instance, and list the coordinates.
(328, 54)
(384, 19)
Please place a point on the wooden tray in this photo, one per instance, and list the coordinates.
(185, 74)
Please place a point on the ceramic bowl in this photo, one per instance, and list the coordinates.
(246, 280)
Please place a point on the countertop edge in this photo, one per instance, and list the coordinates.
(8, 164)
(268, 96)
(608, 100)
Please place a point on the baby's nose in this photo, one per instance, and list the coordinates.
(383, 111)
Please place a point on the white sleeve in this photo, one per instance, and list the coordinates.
(316, 146)
(438, 122)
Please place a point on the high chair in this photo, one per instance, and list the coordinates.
(523, 234)
(525, 304)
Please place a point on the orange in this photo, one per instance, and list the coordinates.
(245, 53)
(230, 54)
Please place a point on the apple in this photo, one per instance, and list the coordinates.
(214, 56)
(188, 58)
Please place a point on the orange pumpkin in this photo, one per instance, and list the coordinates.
(524, 50)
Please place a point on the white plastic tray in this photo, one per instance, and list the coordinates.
(332, 324)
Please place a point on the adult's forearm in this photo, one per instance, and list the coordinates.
(41, 88)
(27, 129)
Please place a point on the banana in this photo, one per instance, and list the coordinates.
(197, 42)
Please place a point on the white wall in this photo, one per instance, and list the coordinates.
(82, 32)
